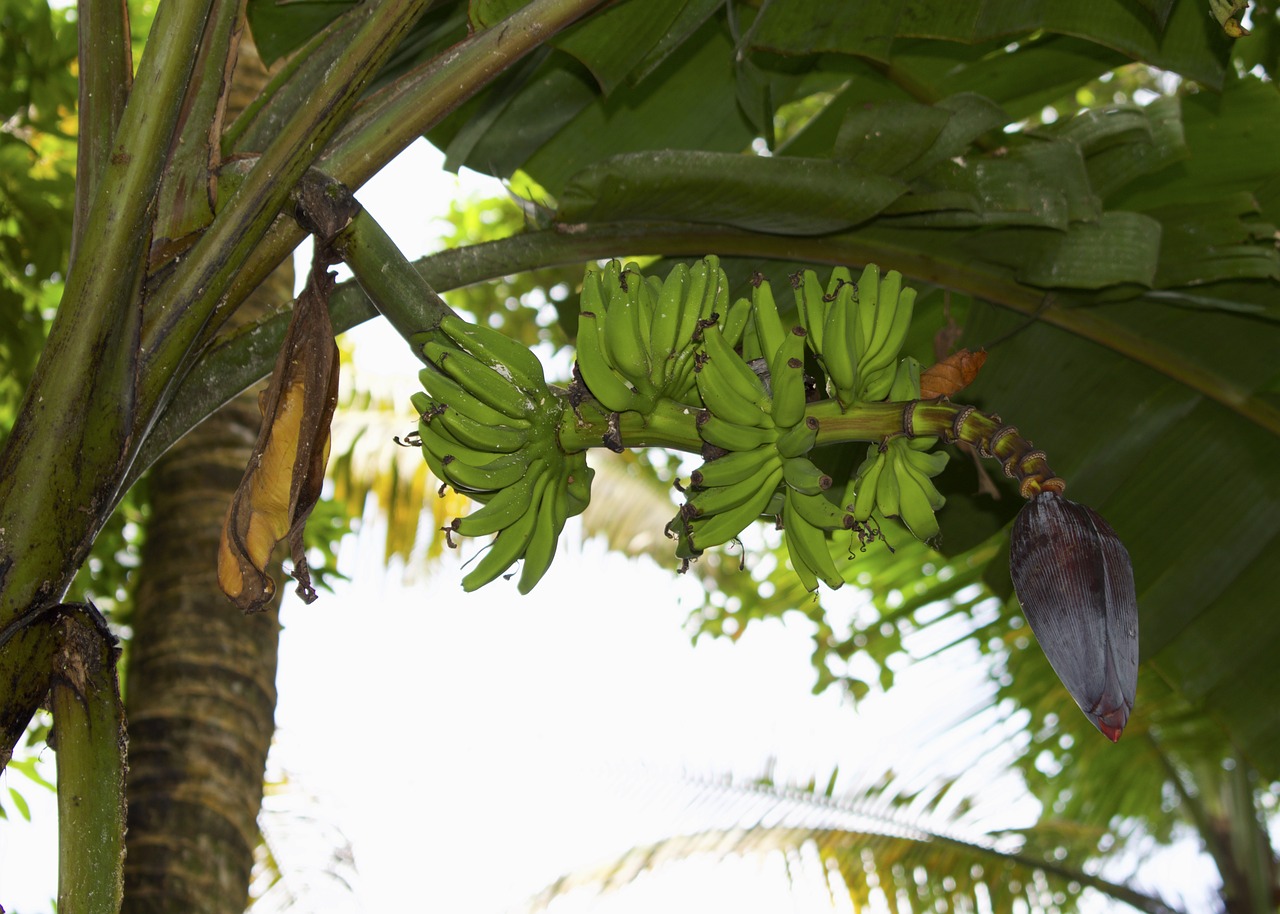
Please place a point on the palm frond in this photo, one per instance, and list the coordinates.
(882, 849)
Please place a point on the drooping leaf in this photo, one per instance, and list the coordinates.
(283, 479)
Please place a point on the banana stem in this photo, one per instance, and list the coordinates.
(394, 285)
(674, 425)
(671, 425)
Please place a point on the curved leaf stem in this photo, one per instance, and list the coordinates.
(233, 363)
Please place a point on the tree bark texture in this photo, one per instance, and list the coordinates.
(200, 692)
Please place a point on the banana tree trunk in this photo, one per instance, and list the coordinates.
(201, 677)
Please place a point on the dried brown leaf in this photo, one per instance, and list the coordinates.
(282, 482)
(951, 375)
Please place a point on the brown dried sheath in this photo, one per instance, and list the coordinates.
(1074, 579)
(951, 375)
(282, 482)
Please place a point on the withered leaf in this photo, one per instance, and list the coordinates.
(951, 375)
(282, 481)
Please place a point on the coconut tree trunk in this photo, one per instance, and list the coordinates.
(201, 674)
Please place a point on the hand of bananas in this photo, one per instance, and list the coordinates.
(488, 425)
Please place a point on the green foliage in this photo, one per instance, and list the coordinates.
(37, 167)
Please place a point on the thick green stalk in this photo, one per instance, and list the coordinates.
(290, 88)
(89, 734)
(184, 204)
(401, 294)
(106, 75)
(674, 425)
(65, 456)
(27, 646)
(181, 310)
(392, 118)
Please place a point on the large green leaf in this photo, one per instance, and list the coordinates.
(1186, 43)
(782, 196)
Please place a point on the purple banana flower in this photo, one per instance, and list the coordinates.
(1075, 582)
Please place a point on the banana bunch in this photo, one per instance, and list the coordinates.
(636, 334)
(765, 438)
(856, 329)
(896, 478)
(488, 425)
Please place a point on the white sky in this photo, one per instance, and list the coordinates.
(472, 748)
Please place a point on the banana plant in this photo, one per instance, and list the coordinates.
(1145, 232)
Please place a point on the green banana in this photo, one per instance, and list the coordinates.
(799, 439)
(665, 326)
(446, 390)
(725, 434)
(437, 439)
(500, 438)
(915, 502)
(803, 475)
(865, 483)
(807, 546)
(837, 354)
(626, 335)
(887, 494)
(906, 381)
(650, 292)
(491, 388)
(597, 373)
(541, 549)
(876, 385)
(786, 373)
(886, 313)
(508, 546)
(863, 329)
(701, 276)
(717, 529)
(801, 566)
(719, 499)
(733, 468)
(508, 505)
(927, 461)
(769, 329)
(577, 484)
(423, 403)
(733, 322)
(819, 511)
(811, 306)
(894, 308)
(495, 475)
(729, 388)
(497, 350)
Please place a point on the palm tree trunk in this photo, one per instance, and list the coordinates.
(200, 692)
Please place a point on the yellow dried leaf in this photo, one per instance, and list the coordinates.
(282, 482)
